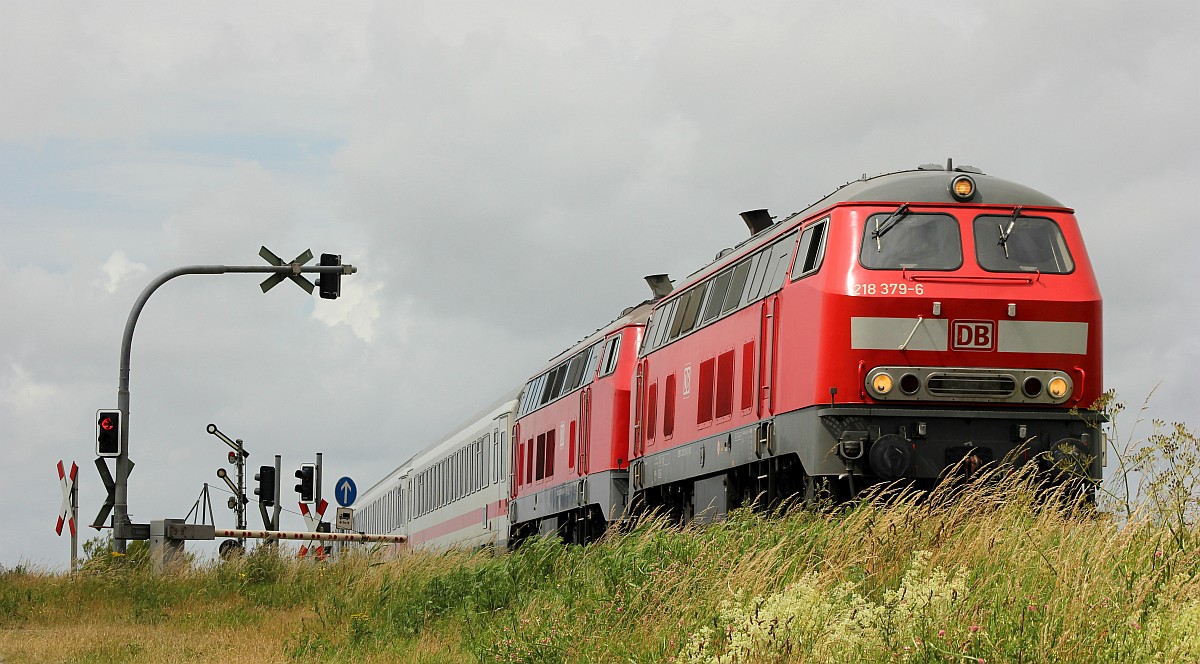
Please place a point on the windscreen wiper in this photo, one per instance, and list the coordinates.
(887, 224)
(1005, 232)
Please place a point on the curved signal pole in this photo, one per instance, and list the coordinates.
(122, 528)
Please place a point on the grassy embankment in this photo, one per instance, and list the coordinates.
(988, 572)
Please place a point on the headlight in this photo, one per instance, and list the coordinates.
(1032, 387)
(962, 187)
(881, 383)
(1058, 387)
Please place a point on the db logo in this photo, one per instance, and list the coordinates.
(974, 335)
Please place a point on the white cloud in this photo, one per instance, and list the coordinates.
(24, 393)
(118, 269)
(358, 308)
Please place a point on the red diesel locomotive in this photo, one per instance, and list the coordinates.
(906, 326)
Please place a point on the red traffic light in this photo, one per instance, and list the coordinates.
(108, 433)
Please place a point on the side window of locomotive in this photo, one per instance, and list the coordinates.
(593, 362)
(911, 242)
(569, 375)
(691, 313)
(652, 328)
(685, 314)
(758, 272)
(677, 315)
(752, 278)
(716, 296)
(740, 274)
(769, 269)
(553, 384)
(660, 325)
(611, 351)
(533, 394)
(525, 399)
(538, 386)
(811, 251)
(575, 372)
(783, 260)
(1023, 244)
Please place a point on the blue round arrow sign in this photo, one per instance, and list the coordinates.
(345, 492)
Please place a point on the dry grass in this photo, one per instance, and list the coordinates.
(994, 571)
(176, 640)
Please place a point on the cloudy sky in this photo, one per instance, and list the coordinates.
(503, 174)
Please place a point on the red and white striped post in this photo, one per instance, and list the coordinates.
(314, 524)
(68, 512)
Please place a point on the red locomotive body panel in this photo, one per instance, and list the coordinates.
(826, 311)
(570, 439)
(583, 431)
(877, 338)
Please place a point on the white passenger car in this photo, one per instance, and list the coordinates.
(452, 494)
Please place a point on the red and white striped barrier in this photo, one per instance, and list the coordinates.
(296, 535)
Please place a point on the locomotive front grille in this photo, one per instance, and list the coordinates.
(979, 384)
(987, 385)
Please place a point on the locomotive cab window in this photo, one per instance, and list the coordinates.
(611, 351)
(901, 240)
(811, 251)
(1007, 243)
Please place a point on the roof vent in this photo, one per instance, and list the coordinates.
(757, 220)
(949, 167)
(660, 285)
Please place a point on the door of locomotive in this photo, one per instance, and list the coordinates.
(767, 343)
(781, 255)
(585, 430)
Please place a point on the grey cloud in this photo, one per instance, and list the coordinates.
(504, 176)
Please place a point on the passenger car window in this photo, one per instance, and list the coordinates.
(1004, 243)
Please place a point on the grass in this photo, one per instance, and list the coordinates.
(993, 571)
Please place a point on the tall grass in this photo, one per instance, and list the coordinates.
(997, 570)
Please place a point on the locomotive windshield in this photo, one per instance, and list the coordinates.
(1021, 244)
(913, 242)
